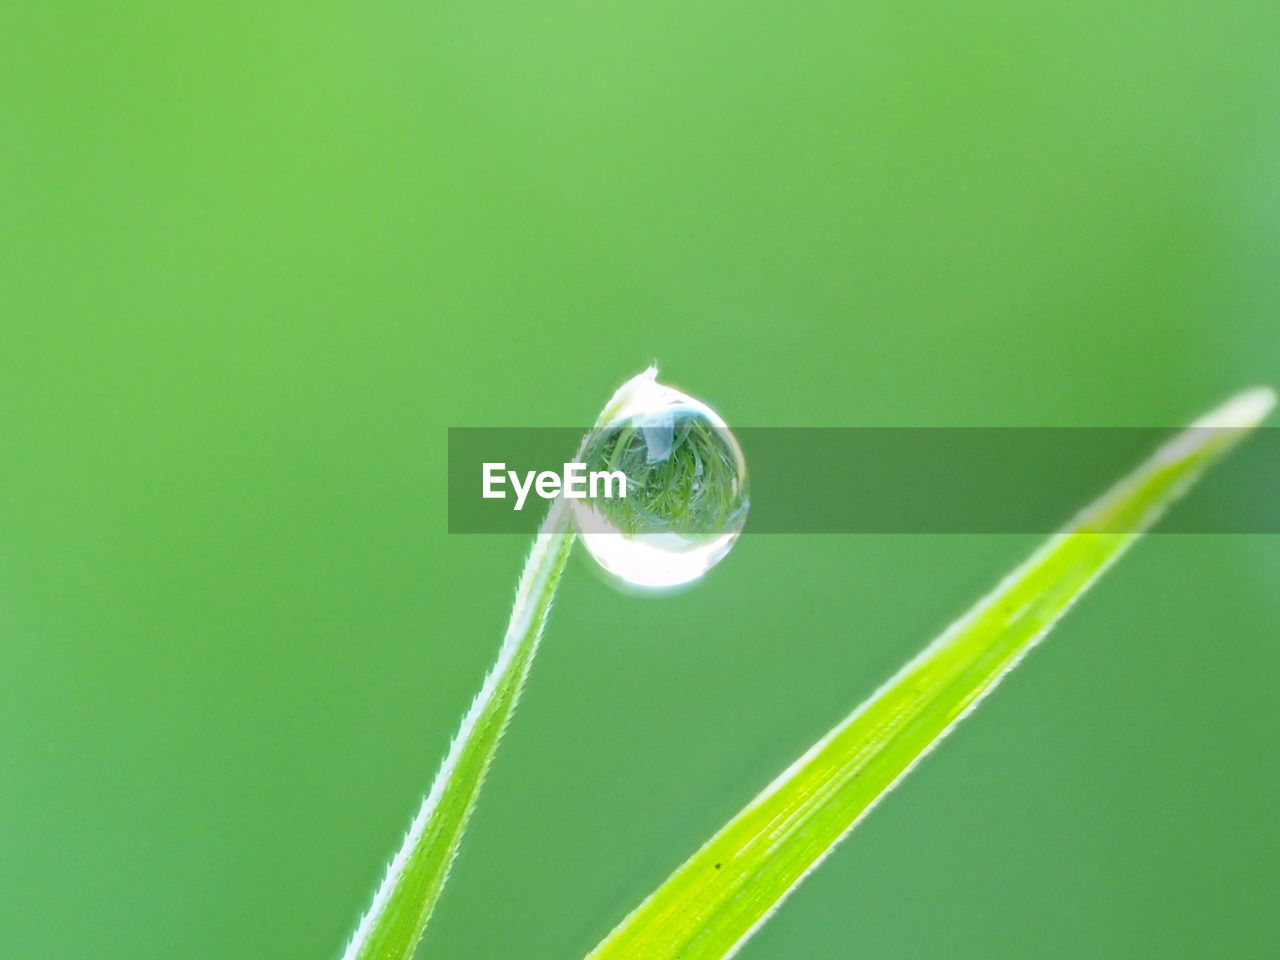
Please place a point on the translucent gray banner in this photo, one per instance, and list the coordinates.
(893, 480)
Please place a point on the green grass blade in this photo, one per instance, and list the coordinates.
(713, 903)
(394, 923)
(404, 901)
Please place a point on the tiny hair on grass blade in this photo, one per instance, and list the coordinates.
(392, 926)
(720, 896)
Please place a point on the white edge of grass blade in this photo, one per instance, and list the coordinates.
(392, 926)
(720, 896)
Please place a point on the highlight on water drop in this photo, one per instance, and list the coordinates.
(686, 499)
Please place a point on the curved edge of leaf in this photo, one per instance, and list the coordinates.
(405, 899)
(411, 885)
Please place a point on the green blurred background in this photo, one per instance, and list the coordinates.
(257, 256)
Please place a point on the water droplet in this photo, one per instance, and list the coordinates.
(686, 480)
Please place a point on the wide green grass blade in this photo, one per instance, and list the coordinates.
(713, 903)
(394, 923)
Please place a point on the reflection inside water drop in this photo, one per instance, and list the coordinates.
(686, 497)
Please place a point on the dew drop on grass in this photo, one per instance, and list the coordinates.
(686, 499)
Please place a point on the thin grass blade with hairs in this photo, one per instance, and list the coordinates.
(713, 903)
(403, 904)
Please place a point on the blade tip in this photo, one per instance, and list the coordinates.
(1245, 409)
